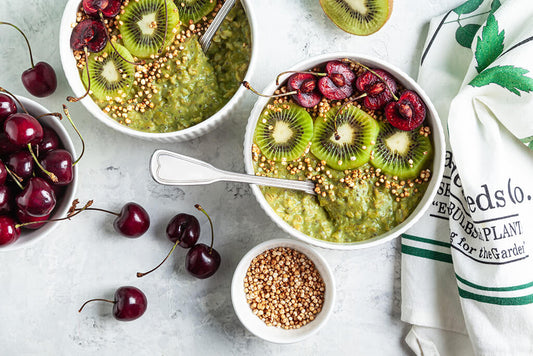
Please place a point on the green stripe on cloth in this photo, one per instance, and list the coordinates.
(526, 299)
(432, 255)
(494, 289)
(428, 241)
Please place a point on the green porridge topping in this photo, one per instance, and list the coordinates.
(182, 86)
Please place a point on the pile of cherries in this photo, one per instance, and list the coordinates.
(377, 88)
(34, 170)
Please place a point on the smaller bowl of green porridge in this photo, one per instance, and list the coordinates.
(363, 132)
(138, 66)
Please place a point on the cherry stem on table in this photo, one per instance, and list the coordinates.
(23, 35)
(68, 217)
(67, 113)
(95, 300)
(98, 209)
(139, 274)
(197, 206)
(15, 98)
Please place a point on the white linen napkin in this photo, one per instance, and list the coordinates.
(467, 266)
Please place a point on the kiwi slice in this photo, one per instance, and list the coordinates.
(111, 76)
(344, 139)
(359, 17)
(143, 26)
(401, 153)
(194, 10)
(284, 131)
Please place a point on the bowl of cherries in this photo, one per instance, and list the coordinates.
(38, 171)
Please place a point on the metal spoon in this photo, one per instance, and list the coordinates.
(170, 168)
(205, 40)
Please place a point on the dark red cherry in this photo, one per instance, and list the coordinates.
(6, 198)
(6, 146)
(91, 7)
(50, 141)
(7, 106)
(21, 163)
(40, 80)
(305, 84)
(133, 220)
(378, 91)
(407, 113)
(37, 198)
(129, 303)
(22, 129)
(185, 229)
(202, 261)
(89, 33)
(112, 9)
(3, 173)
(9, 231)
(58, 162)
(337, 85)
(24, 217)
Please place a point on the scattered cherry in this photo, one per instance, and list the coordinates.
(129, 303)
(407, 113)
(379, 87)
(132, 221)
(202, 261)
(7, 107)
(40, 80)
(9, 232)
(183, 230)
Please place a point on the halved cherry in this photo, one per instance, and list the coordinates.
(337, 84)
(378, 92)
(109, 8)
(305, 86)
(407, 113)
(88, 33)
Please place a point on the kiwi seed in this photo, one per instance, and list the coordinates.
(194, 10)
(344, 140)
(284, 131)
(111, 76)
(359, 17)
(401, 153)
(143, 26)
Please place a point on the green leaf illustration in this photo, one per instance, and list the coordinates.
(464, 35)
(495, 5)
(509, 77)
(490, 45)
(468, 7)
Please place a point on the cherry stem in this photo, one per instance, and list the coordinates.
(72, 99)
(15, 98)
(249, 87)
(56, 114)
(139, 274)
(376, 74)
(98, 209)
(166, 29)
(52, 176)
(15, 177)
(197, 206)
(65, 110)
(95, 300)
(72, 213)
(301, 72)
(23, 35)
(113, 46)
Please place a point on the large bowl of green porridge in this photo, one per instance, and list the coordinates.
(354, 208)
(177, 95)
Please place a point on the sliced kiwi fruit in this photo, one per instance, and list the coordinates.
(110, 75)
(401, 153)
(143, 26)
(344, 139)
(359, 17)
(283, 131)
(194, 10)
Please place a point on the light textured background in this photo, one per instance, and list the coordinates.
(42, 287)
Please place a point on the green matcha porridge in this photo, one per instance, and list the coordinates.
(369, 175)
(178, 88)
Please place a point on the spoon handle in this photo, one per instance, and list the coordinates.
(205, 40)
(170, 168)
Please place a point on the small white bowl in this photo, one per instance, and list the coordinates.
(271, 333)
(437, 168)
(73, 77)
(29, 237)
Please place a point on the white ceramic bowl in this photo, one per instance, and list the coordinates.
(438, 161)
(252, 322)
(74, 79)
(29, 237)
